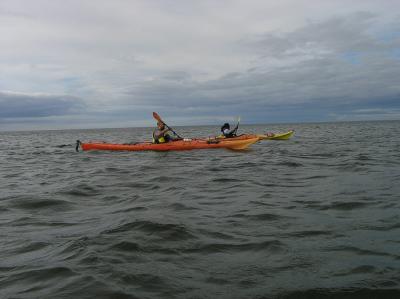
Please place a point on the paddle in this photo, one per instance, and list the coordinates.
(158, 118)
(237, 126)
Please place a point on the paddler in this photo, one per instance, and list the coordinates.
(226, 130)
(160, 134)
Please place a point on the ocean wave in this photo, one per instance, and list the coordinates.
(168, 231)
(270, 245)
(332, 293)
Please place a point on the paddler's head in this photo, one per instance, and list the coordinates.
(225, 126)
(160, 125)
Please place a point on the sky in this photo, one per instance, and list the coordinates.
(101, 63)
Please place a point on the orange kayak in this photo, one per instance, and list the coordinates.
(185, 144)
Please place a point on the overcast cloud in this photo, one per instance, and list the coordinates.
(111, 63)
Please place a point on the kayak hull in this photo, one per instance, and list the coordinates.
(179, 145)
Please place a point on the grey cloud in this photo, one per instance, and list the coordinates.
(325, 81)
(177, 76)
(340, 34)
(131, 58)
(308, 81)
(18, 105)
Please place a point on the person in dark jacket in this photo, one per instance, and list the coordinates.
(227, 132)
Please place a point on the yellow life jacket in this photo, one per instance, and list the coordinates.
(160, 140)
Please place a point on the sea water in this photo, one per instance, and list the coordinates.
(315, 216)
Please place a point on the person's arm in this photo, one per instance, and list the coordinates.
(234, 130)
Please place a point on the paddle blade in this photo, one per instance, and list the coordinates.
(238, 121)
(157, 117)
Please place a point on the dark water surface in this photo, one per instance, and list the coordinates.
(317, 216)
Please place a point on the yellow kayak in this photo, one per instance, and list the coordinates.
(278, 136)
